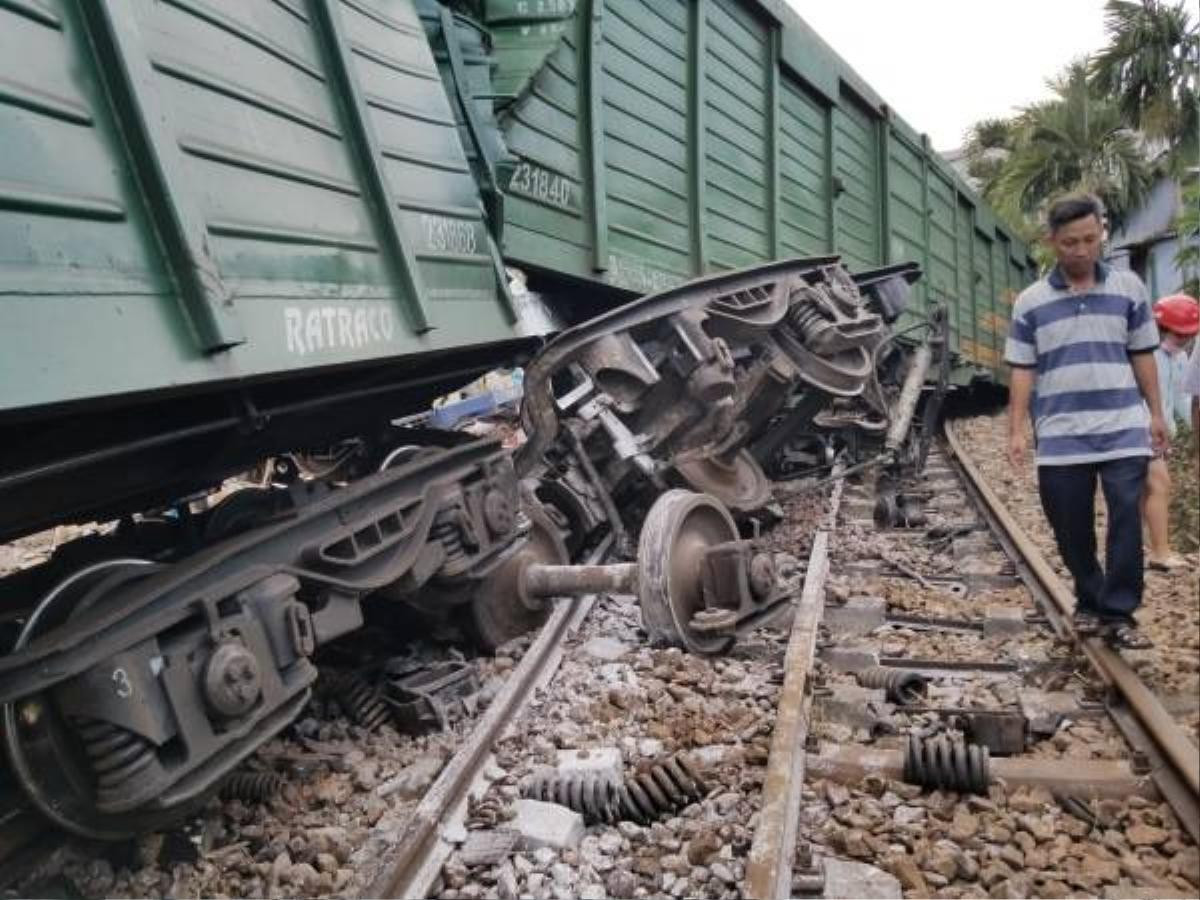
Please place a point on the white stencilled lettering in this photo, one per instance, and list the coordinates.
(361, 334)
(312, 330)
(348, 326)
(345, 332)
(329, 316)
(293, 323)
(536, 182)
(448, 235)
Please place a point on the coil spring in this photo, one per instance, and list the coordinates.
(115, 753)
(450, 537)
(251, 787)
(946, 764)
(665, 788)
(805, 317)
(359, 700)
(902, 686)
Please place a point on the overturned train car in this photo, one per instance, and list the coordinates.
(232, 232)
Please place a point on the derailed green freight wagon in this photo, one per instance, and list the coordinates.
(645, 142)
(261, 207)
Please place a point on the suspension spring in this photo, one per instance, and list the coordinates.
(942, 763)
(358, 698)
(450, 536)
(664, 788)
(115, 753)
(805, 318)
(251, 787)
(903, 686)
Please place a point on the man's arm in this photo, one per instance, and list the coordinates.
(1020, 390)
(1020, 352)
(1146, 372)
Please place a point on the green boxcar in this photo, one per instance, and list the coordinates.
(264, 207)
(298, 196)
(650, 141)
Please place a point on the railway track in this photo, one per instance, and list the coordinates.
(793, 768)
(1134, 708)
(1158, 762)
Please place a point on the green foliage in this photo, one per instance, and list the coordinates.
(1150, 68)
(989, 142)
(989, 135)
(1116, 122)
(1073, 142)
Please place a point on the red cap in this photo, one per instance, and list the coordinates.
(1179, 313)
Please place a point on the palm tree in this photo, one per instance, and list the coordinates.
(1151, 67)
(988, 144)
(1073, 142)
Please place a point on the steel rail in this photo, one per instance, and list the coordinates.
(1140, 714)
(773, 850)
(408, 873)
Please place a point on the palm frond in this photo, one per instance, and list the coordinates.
(1150, 67)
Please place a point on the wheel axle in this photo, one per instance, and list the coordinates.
(542, 581)
(696, 582)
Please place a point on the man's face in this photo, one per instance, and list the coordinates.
(1077, 245)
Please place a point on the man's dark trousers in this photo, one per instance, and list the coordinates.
(1069, 498)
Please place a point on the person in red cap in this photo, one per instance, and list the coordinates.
(1178, 320)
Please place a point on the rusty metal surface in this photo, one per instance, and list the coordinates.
(772, 852)
(1179, 779)
(658, 791)
(1084, 778)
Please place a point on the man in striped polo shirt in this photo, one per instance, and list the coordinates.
(1081, 348)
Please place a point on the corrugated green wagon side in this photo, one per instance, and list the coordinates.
(227, 229)
(649, 142)
(196, 191)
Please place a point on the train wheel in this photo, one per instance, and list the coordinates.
(680, 528)
(55, 761)
(739, 484)
(497, 612)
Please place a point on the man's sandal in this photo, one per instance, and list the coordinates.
(1127, 636)
(1169, 564)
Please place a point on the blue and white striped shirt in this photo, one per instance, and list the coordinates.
(1087, 406)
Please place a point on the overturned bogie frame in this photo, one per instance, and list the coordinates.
(135, 689)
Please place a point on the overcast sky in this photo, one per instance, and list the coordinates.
(944, 64)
